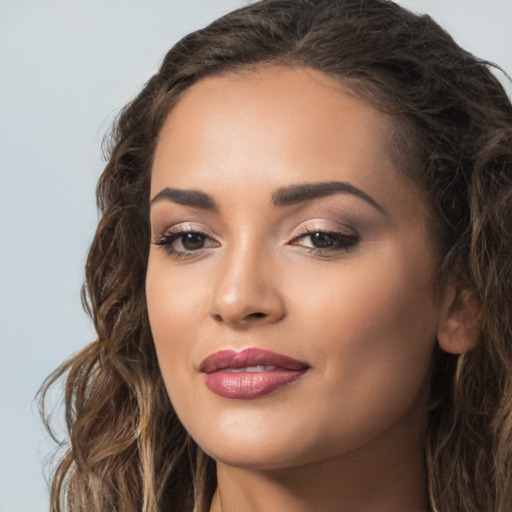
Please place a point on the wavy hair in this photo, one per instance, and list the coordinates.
(127, 450)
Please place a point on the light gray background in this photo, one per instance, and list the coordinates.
(66, 67)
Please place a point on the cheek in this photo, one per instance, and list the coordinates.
(373, 327)
(375, 299)
(173, 297)
(173, 316)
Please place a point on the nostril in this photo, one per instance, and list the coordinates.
(257, 315)
(239, 320)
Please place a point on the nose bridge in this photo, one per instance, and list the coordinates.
(246, 288)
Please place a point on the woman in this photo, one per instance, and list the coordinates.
(305, 246)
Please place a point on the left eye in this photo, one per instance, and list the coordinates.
(323, 241)
(183, 242)
(192, 241)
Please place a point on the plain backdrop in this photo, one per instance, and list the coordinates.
(66, 67)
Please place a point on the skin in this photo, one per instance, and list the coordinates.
(347, 436)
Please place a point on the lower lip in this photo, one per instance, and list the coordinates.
(249, 385)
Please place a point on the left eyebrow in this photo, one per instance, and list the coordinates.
(193, 198)
(304, 192)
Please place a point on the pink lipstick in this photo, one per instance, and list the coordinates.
(251, 373)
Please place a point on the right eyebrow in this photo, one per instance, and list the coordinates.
(192, 198)
(303, 192)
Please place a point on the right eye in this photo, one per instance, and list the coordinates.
(184, 243)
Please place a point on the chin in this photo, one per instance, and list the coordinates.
(256, 448)
(258, 457)
(263, 449)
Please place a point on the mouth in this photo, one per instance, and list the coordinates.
(251, 373)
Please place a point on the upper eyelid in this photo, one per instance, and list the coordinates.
(182, 227)
(304, 228)
(317, 226)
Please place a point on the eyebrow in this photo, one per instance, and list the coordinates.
(304, 192)
(192, 198)
(285, 196)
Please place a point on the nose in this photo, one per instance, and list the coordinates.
(246, 292)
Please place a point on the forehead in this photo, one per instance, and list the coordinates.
(283, 117)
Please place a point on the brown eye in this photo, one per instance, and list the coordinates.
(192, 241)
(183, 244)
(322, 240)
(325, 242)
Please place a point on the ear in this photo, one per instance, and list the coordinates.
(460, 326)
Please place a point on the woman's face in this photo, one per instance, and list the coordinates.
(289, 284)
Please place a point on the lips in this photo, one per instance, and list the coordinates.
(251, 373)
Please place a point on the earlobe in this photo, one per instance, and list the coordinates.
(460, 326)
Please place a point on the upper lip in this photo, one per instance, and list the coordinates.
(229, 358)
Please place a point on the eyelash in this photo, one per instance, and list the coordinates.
(167, 240)
(343, 241)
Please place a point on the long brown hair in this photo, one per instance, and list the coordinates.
(127, 451)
